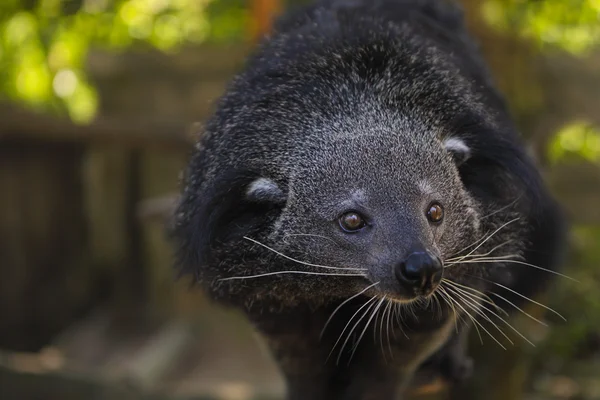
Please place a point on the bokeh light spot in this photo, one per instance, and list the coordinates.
(64, 83)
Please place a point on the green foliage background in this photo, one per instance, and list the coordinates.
(572, 25)
(44, 43)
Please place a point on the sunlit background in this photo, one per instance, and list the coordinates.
(99, 104)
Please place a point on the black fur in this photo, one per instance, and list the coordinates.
(348, 105)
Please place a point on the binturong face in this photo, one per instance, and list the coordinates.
(382, 207)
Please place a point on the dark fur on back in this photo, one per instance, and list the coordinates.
(355, 100)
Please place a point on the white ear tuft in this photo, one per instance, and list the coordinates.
(265, 190)
(458, 149)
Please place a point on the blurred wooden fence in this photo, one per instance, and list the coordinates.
(73, 196)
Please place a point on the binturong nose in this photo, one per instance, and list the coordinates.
(421, 272)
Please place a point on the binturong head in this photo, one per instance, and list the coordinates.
(366, 203)
(384, 201)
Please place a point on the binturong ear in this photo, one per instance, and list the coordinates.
(264, 190)
(233, 205)
(458, 149)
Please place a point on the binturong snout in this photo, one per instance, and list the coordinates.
(420, 273)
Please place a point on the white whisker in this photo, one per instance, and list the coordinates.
(298, 261)
(484, 254)
(375, 311)
(287, 272)
(512, 203)
(347, 324)
(492, 235)
(519, 309)
(388, 324)
(478, 323)
(380, 330)
(476, 257)
(342, 304)
(447, 298)
(475, 307)
(500, 260)
(365, 313)
(399, 318)
(480, 295)
(526, 298)
(469, 246)
(450, 300)
(497, 316)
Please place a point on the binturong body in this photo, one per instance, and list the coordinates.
(362, 195)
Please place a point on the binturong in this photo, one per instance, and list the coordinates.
(362, 195)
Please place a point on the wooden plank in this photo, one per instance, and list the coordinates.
(158, 209)
(111, 188)
(19, 124)
(159, 175)
(46, 276)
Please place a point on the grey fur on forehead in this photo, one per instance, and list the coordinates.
(372, 159)
(368, 148)
(298, 96)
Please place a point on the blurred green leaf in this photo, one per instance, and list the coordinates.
(573, 25)
(44, 43)
(579, 140)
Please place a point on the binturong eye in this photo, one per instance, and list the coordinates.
(435, 212)
(352, 222)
